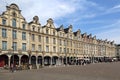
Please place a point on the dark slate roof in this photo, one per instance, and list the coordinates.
(66, 30)
(75, 33)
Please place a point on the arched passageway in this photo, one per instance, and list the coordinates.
(33, 60)
(3, 60)
(24, 59)
(14, 58)
(47, 60)
(55, 60)
(40, 60)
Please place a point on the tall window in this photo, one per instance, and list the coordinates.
(54, 49)
(4, 45)
(47, 48)
(14, 34)
(23, 35)
(67, 50)
(33, 37)
(64, 50)
(23, 26)
(71, 50)
(4, 32)
(33, 47)
(64, 43)
(39, 38)
(54, 41)
(60, 49)
(53, 32)
(47, 31)
(47, 40)
(39, 48)
(14, 46)
(24, 46)
(14, 22)
(3, 21)
(60, 42)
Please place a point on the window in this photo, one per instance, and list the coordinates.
(23, 26)
(3, 21)
(39, 48)
(67, 50)
(71, 50)
(39, 38)
(47, 31)
(23, 35)
(54, 41)
(71, 43)
(33, 47)
(54, 49)
(24, 46)
(53, 32)
(64, 50)
(60, 49)
(74, 50)
(4, 32)
(47, 48)
(38, 29)
(60, 42)
(14, 46)
(14, 22)
(4, 45)
(33, 37)
(33, 28)
(14, 34)
(47, 40)
(64, 43)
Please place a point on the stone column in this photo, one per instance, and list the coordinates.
(9, 56)
(43, 53)
(51, 59)
(20, 60)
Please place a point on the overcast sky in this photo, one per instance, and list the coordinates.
(98, 17)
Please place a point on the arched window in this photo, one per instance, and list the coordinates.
(14, 22)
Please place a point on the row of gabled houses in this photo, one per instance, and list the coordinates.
(24, 42)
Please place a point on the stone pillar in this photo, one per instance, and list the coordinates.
(43, 61)
(37, 65)
(51, 61)
(43, 53)
(20, 60)
(9, 57)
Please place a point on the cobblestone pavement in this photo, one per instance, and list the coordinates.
(99, 71)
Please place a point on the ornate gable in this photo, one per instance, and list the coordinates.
(50, 23)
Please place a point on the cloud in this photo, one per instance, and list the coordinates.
(110, 32)
(116, 6)
(52, 9)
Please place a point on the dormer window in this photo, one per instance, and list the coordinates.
(38, 29)
(33, 28)
(53, 32)
(14, 22)
(3, 21)
(47, 31)
(23, 26)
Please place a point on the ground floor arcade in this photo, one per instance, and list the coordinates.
(45, 60)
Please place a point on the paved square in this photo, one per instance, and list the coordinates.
(99, 71)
